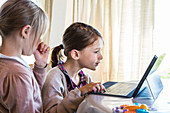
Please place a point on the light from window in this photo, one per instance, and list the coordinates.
(162, 34)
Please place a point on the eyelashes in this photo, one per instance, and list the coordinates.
(96, 51)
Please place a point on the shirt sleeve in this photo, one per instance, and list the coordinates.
(17, 94)
(55, 97)
(40, 75)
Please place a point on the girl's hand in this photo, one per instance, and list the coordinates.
(41, 55)
(96, 87)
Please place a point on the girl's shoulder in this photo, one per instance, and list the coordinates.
(14, 74)
(54, 75)
(54, 71)
(13, 67)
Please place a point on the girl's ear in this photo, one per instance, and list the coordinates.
(25, 31)
(75, 54)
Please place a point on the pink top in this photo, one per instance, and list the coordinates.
(20, 87)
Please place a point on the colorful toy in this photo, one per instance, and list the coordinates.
(132, 108)
(135, 108)
(141, 111)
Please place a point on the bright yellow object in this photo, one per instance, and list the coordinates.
(143, 106)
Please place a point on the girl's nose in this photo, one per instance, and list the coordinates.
(100, 56)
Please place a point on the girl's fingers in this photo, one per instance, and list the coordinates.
(96, 87)
(40, 46)
(43, 48)
(100, 87)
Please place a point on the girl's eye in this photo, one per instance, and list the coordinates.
(96, 51)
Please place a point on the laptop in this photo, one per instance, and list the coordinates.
(153, 84)
(131, 89)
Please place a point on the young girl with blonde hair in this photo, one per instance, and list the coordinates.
(22, 24)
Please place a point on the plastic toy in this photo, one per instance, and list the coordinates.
(135, 108)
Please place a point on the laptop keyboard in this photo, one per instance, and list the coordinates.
(121, 88)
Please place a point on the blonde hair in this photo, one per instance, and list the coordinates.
(15, 14)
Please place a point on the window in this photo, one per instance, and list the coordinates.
(162, 34)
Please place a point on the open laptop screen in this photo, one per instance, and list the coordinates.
(153, 82)
(145, 76)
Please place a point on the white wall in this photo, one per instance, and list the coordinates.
(58, 22)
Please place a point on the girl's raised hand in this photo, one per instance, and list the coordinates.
(41, 55)
(96, 87)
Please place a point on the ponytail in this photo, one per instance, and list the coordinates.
(56, 55)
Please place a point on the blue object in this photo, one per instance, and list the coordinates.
(137, 104)
(141, 111)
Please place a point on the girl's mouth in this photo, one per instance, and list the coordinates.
(97, 64)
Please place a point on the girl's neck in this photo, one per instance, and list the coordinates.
(10, 47)
(72, 68)
(9, 51)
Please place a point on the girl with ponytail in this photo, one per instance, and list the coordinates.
(66, 84)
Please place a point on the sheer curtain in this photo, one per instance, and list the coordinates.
(127, 28)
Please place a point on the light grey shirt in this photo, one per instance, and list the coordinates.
(55, 95)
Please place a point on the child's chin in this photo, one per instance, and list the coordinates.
(94, 69)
